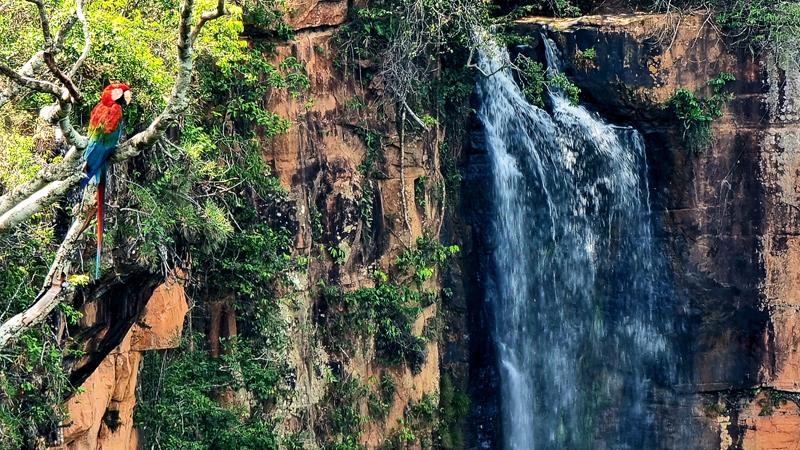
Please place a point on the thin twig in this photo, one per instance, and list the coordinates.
(50, 61)
(87, 40)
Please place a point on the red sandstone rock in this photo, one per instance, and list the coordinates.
(101, 415)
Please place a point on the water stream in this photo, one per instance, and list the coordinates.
(581, 309)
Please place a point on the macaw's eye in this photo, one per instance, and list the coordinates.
(128, 97)
(116, 93)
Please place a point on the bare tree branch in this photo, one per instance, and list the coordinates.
(48, 38)
(50, 51)
(50, 61)
(47, 195)
(87, 39)
(27, 70)
(30, 83)
(54, 290)
(35, 63)
(415, 117)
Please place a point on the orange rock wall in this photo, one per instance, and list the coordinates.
(317, 161)
(101, 413)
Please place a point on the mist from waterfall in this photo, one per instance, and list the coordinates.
(582, 311)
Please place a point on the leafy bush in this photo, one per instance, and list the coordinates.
(368, 169)
(559, 8)
(534, 79)
(454, 406)
(419, 191)
(385, 313)
(590, 54)
(341, 415)
(422, 261)
(763, 24)
(179, 404)
(561, 82)
(696, 114)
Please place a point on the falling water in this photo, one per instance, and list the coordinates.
(581, 313)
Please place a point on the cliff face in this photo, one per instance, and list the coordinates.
(101, 413)
(727, 216)
(318, 161)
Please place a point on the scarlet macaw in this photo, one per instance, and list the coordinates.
(105, 128)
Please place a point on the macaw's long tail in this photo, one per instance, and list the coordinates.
(101, 190)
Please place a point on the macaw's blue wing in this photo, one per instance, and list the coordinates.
(101, 146)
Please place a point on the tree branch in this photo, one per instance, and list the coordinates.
(48, 38)
(30, 83)
(415, 117)
(178, 101)
(54, 290)
(207, 16)
(50, 60)
(35, 63)
(48, 194)
(87, 39)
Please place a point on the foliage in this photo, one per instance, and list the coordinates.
(196, 197)
(696, 114)
(385, 314)
(265, 17)
(514, 9)
(382, 399)
(341, 415)
(764, 24)
(534, 79)
(32, 379)
(404, 40)
(368, 169)
(419, 191)
(454, 407)
(423, 260)
(179, 404)
(590, 54)
(772, 399)
(20, 158)
(561, 82)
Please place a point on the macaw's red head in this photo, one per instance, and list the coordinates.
(118, 93)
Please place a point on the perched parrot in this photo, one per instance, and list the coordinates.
(105, 128)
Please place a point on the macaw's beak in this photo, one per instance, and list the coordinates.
(128, 96)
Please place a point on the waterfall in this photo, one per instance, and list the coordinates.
(582, 314)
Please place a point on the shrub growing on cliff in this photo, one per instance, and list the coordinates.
(179, 405)
(403, 41)
(696, 114)
(385, 314)
(534, 79)
(558, 8)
